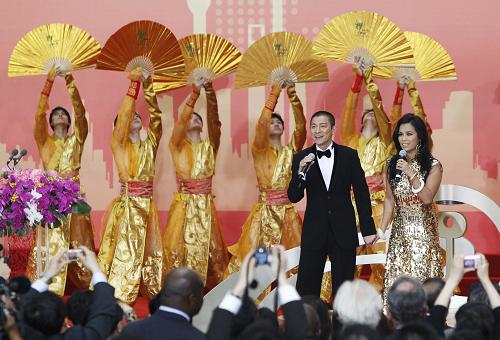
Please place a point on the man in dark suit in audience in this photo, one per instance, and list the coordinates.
(180, 299)
(45, 312)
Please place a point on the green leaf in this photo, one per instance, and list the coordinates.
(81, 208)
(57, 223)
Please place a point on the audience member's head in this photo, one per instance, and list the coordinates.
(432, 287)
(478, 294)
(263, 329)
(312, 320)
(154, 304)
(122, 336)
(475, 316)
(359, 332)
(46, 313)
(78, 306)
(417, 331)
(406, 300)
(358, 302)
(324, 317)
(183, 290)
(465, 334)
(246, 315)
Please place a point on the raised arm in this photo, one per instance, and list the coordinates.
(262, 137)
(397, 104)
(300, 133)
(41, 130)
(384, 126)
(213, 124)
(81, 127)
(155, 128)
(418, 108)
(126, 112)
(182, 125)
(348, 126)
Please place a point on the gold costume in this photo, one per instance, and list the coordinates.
(131, 253)
(274, 219)
(193, 237)
(373, 154)
(64, 156)
(414, 243)
(416, 104)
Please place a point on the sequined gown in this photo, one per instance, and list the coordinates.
(274, 219)
(131, 253)
(64, 156)
(373, 154)
(414, 243)
(193, 236)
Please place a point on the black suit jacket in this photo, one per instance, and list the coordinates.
(103, 316)
(164, 325)
(332, 208)
(296, 326)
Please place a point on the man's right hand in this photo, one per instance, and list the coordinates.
(309, 159)
(55, 265)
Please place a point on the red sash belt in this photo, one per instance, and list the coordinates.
(274, 197)
(137, 188)
(375, 183)
(195, 186)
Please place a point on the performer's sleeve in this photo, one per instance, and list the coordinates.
(41, 130)
(299, 134)
(81, 127)
(155, 128)
(417, 106)
(214, 124)
(181, 127)
(297, 185)
(362, 198)
(262, 138)
(384, 126)
(348, 125)
(397, 105)
(125, 115)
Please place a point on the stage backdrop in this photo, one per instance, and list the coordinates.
(464, 114)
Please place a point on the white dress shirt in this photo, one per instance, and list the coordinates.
(175, 311)
(326, 165)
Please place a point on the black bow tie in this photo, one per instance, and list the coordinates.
(327, 153)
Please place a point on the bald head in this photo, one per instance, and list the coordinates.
(183, 289)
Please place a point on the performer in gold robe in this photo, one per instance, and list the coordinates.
(274, 219)
(131, 253)
(193, 237)
(373, 145)
(416, 104)
(62, 152)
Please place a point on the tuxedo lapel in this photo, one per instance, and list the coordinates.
(336, 158)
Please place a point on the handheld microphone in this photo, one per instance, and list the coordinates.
(402, 154)
(305, 168)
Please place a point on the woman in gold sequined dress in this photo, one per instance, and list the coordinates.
(131, 253)
(274, 219)
(62, 152)
(193, 237)
(411, 184)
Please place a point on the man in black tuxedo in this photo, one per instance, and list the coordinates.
(328, 171)
(181, 298)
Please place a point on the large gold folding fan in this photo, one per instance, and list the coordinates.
(432, 61)
(280, 56)
(53, 45)
(145, 44)
(209, 56)
(363, 34)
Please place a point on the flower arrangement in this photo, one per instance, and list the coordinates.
(31, 197)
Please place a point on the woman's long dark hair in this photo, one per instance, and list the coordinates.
(424, 156)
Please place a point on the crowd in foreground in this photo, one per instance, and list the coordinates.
(413, 310)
